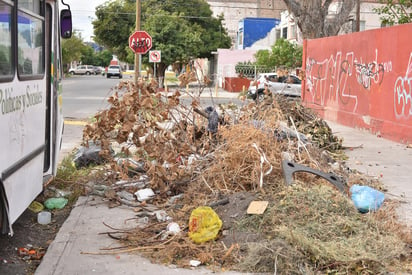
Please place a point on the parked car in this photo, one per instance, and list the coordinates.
(289, 85)
(114, 70)
(98, 70)
(82, 69)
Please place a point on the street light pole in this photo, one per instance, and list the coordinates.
(137, 57)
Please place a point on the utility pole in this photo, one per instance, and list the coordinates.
(137, 57)
(358, 15)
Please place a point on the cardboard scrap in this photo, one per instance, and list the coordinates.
(257, 207)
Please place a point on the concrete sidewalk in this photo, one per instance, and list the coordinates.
(76, 247)
(387, 160)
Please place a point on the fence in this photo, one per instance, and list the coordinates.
(251, 71)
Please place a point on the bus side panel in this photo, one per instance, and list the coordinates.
(22, 109)
(23, 187)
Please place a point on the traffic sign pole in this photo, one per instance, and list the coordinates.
(154, 56)
(140, 42)
(137, 58)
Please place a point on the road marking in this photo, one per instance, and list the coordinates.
(75, 122)
(90, 98)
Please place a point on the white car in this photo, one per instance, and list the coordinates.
(289, 85)
(114, 70)
(82, 69)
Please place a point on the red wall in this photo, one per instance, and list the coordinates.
(236, 84)
(363, 80)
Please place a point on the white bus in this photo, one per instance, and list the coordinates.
(31, 121)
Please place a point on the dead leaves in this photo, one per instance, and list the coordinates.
(143, 118)
(186, 78)
(180, 158)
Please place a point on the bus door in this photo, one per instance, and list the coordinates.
(54, 74)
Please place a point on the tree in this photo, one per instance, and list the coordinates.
(113, 26)
(103, 58)
(174, 38)
(88, 55)
(198, 17)
(180, 29)
(262, 58)
(395, 12)
(72, 48)
(284, 54)
(313, 16)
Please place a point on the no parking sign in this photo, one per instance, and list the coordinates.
(155, 56)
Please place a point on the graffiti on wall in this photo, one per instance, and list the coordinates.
(371, 72)
(326, 79)
(329, 79)
(363, 80)
(402, 93)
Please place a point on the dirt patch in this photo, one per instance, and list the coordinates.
(233, 212)
(29, 237)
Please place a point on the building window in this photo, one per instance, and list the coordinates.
(293, 33)
(285, 32)
(278, 32)
(362, 25)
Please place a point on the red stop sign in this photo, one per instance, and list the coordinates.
(140, 42)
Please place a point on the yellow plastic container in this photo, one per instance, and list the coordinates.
(36, 207)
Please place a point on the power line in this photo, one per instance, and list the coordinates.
(252, 6)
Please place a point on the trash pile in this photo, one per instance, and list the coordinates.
(260, 187)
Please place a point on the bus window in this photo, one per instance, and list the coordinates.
(5, 42)
(30, 39)
(31, 5)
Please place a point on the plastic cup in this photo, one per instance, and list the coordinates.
(44, 217)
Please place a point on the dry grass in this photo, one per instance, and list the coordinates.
(308, 228)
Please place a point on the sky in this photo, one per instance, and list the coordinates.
(83, 15)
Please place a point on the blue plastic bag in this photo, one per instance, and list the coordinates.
(366, 198)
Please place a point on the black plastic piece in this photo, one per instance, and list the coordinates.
(289, 168)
